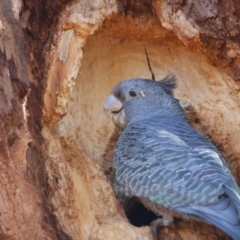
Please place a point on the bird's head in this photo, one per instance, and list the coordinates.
(137, 98)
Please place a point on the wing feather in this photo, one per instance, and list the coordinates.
(170, 164)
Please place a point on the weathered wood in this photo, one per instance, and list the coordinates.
(21, 211)
(58, 62)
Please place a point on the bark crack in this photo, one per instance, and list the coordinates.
(149, 64)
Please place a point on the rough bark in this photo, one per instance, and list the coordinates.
(59, 60)
(21, 208)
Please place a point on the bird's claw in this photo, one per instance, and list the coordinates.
(155, 225)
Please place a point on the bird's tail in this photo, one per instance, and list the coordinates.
(235, 197)
(223, 215)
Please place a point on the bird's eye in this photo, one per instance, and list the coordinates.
(132, 94)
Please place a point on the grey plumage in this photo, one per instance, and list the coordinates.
(162, 159)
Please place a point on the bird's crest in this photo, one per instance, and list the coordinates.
(169, 84)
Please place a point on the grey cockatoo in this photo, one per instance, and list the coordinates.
(167, 164)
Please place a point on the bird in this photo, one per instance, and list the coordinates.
(164, 162)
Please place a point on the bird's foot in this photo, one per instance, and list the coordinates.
(155, 225)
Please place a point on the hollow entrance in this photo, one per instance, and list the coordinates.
(138, 215)
(116, 52)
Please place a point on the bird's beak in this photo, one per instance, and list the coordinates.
(112, 106)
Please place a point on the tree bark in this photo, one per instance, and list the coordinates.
(59, 60)
(22, 210)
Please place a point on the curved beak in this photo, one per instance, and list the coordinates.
(112, 106)
(115, 111)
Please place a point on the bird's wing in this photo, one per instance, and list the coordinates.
(173, 166)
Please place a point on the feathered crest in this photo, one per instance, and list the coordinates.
(168, 84)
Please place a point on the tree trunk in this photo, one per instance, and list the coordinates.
(59, 60)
